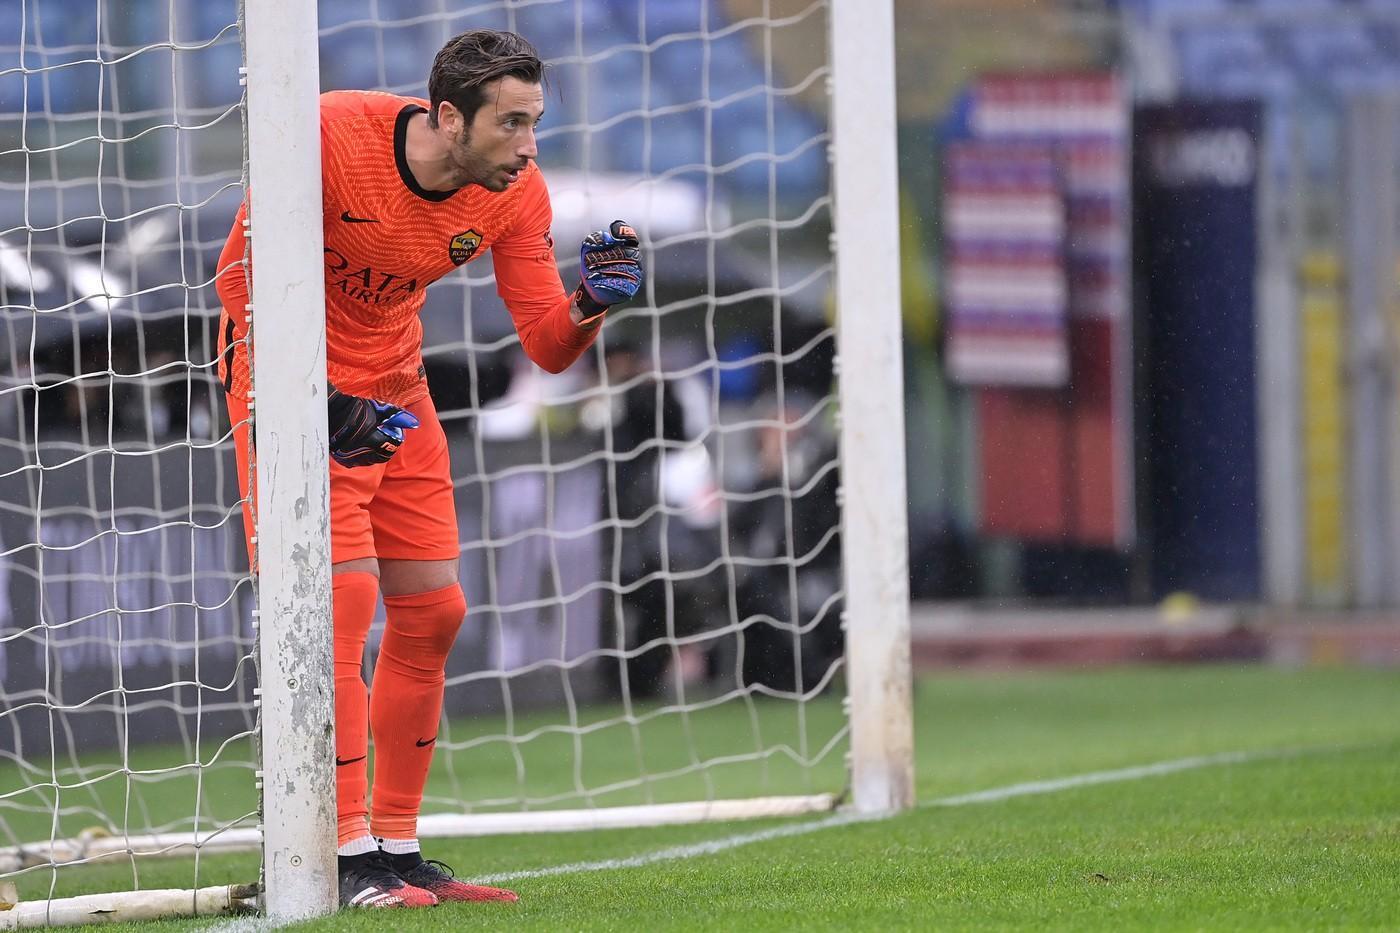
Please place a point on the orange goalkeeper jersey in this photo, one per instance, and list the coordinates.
(386, 239)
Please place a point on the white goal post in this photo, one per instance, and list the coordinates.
(292, 465)
(865, 180)
(542, 573)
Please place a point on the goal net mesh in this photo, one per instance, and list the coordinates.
(650, 541)
(125, 640)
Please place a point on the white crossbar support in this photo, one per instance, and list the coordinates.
(660, 814)
(128, 906)
(87, 848)
(874, 531)
(289, 379)
(436, 825)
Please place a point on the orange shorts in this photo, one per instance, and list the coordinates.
(400, 510)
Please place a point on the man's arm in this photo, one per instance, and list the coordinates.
(555, 326)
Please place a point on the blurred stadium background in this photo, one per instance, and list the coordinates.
(1261, 425)
(1169, 372)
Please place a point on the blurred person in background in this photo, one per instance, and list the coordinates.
(766, 596)
(647, 412)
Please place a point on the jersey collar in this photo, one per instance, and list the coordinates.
(401, 156)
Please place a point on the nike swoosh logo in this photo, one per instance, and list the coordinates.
(424, 743)
(339, 762)
(345, 216)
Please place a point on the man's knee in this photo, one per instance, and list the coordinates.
(423, 626)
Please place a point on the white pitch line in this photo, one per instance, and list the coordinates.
(1105, 777)
(710, 847)
(693, 850)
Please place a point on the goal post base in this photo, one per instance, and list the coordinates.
(128, 906)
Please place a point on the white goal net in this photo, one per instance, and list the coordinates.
(125, 645)
(651, 541)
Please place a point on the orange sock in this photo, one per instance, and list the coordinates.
(353, 596)
(406, 702)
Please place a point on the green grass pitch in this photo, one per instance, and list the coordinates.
(1306, 836)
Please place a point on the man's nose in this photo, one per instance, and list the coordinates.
(529, 149)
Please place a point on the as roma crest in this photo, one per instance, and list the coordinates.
(463, 246)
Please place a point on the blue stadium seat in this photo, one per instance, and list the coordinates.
(612, 86)
(1350, 50)
(677, 72)
(210, 17)
(1318, 49)
(1269, 83)
(733, 66)
(10, 20)
(554, 29)
(746, 119)
(668, 18)
(676, 140)
(349, 60)
(11, 85)
(1155, 9)
(1205, 51)
(1347, 78)
(342, 11)
(1385, 36)
(408, 51)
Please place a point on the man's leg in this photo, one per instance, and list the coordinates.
(414, 519)
(424, 607)
(354, 592)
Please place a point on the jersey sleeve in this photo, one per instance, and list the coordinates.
(527, 279)
(231, 279)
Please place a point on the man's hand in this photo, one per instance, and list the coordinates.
(611, 264)
(364, 431)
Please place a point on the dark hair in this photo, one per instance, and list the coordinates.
(472, 60)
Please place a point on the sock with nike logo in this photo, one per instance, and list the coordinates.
(353, 596)
(406, 703)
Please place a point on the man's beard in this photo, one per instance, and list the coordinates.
(471, 168)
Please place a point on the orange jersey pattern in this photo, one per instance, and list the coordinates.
(386, 239)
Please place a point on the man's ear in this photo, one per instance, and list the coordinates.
(449, 117)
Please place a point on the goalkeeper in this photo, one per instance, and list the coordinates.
(412, 189)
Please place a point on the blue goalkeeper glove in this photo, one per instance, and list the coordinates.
(611, 264)
(363, 431)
